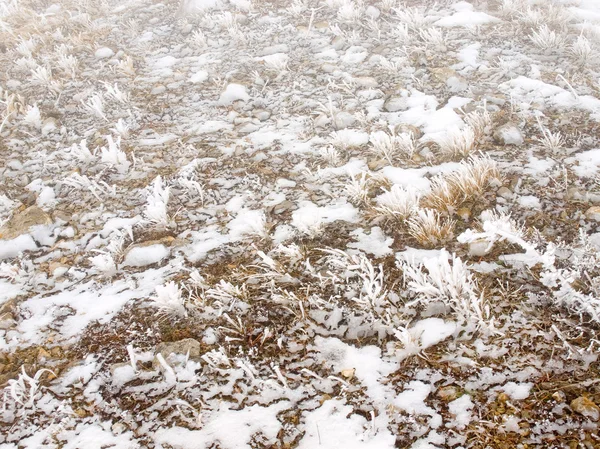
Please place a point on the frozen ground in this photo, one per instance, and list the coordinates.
(252, 224)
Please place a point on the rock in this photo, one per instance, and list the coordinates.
(559, 396)
(43, 355)
(448, 393)
(118, 428)
(395, 104)
(180, 347)
(586, 407)
(403, 128)
(505, 193)
(7, 322)
(593, 213)
(464, 213)
(261, 114)
(103, 53)
(343, 120)
(479, 248)
(443, 74)
(502, 397)
(508, 134)
(348, 373)
(372, 12)
(20, 223)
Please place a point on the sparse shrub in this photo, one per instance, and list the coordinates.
(398, 203)
(429, 228)
(436, 279)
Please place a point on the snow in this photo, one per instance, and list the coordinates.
(517, 391)
(412, 399)
(431, 331)
(375, 242)
(142, 256)
(233, 92)
(12, 248)
(588, 163)
(199, 77)
(219, 427)
(461, 409)
(530, 201)
(469, 19)
(335, 425)
(96, 436)
(81, 305)
(8, 291)
(309, 217)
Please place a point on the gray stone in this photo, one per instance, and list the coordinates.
(183, 347)
(21, 222)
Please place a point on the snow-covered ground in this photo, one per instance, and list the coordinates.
(317, 223)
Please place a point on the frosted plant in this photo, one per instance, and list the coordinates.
(125, 65)
(401, 33)
(277, 62)
(225, 294)
(474, 175)
(43, 76)
(531, 17)
(25, 390)
(412, 17)
(193, 189)
(33, 117)
(398, 203)
(433, 37)
(392, 146)
(228, 21)
(198, 39)
(69, 64)
(388, 5)
(552, 141)
(512, 8)
(436, 279)
(26, 47)
(96, 188)
(121, 128)
(26, 64)
(498, 227)
(429, 228)
(169, 299)
(357, 188)
(113, 92)
(546, 39)
(408, 340)
(157, 201)
(95, 105)
(480, 121)
(10, 271)
(296, 8)
(457, 141)
(81, 152)
(113, 155)
(372, 293)
(555, 16)
(582, 49)
(330, 155)
(104, 264)
(350, 11)
(236, 328)
(448, 191)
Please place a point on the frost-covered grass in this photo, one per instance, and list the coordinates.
(315, 223)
